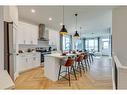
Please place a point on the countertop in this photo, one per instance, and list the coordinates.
(58, 55)
(27, 53)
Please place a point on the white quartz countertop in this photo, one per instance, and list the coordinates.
(5, 80)
(58, 55)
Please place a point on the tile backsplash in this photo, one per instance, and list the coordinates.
(26, 47)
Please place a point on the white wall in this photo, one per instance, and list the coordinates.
(54, 38)
(1, 39)
(119, 36)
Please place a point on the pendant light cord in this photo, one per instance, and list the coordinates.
(63, 15)
(76, 20)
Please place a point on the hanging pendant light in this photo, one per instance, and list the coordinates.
(76, 35)
(63, 31)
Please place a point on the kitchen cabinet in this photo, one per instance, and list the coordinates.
(27, 61)
(21, 63)
(27, 33)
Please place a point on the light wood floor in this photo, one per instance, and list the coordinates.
(98, 77)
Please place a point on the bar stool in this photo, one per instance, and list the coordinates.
(79, 61)
(89, 58)
(91, 55)
(69, 66)
(86, 61)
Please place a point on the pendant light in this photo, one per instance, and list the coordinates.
(63, 31)
(76, 35)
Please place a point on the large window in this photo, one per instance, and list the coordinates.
(66, 43)
(78, 44)
(91, 44)
(105, 43)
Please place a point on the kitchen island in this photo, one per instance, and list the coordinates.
(52, 64)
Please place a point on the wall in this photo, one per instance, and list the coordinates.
(43, 44)
(119, 30)
(1, 39)
(54, 38)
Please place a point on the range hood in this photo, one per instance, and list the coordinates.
(42, 33)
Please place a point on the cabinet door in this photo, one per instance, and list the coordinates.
(34, 35)
(27, 33)
(20, 34)
(38, 59)
(22, 63)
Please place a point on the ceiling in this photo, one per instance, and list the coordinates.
(91, 19)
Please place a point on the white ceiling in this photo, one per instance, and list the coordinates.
(92, 19)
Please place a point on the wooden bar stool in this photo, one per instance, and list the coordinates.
(86, 61)
(89, 58)
(79, 61)
(91, 55)
(69, 66)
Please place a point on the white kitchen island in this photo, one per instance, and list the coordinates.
(52, 64)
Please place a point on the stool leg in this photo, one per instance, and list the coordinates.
(59, 72)
(83, 67)
(80, 69)
(75, 65)
(89, 59)
(92, 57)
(69, 77)
(87, 63)
(74, 72)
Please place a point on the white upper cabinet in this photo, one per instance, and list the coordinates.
(34, 35)
(27, 33)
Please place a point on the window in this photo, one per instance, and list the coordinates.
(66, 43)
(78, 44)
(91, 44)
(105, 44)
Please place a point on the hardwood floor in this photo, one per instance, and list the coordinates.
(98, 77)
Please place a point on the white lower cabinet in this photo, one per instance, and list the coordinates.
(28, 61)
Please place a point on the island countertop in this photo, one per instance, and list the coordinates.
(59, 55)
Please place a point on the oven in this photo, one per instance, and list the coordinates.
(43, 53)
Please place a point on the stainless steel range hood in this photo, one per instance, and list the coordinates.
(42, 33)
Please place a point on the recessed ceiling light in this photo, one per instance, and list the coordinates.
(50, 18)
(33, 10)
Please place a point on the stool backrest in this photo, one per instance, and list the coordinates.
(85, 56)
(69, 62)
(80, 58)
